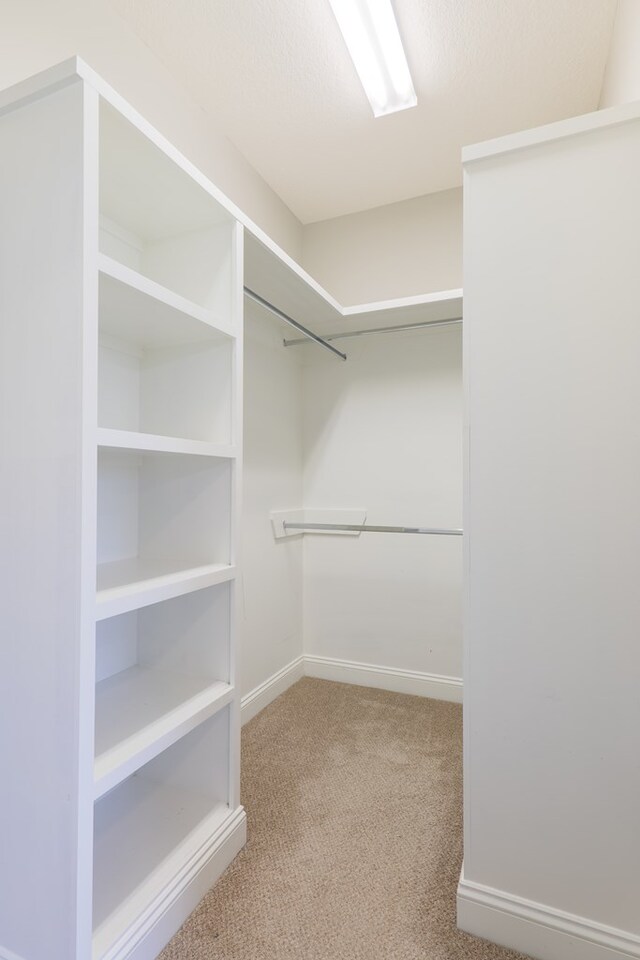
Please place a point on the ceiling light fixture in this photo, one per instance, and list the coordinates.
(371, 33)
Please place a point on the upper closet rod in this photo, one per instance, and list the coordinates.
(371, 528)
(293, 323)
(362, 333)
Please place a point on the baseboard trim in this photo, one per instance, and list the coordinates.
(385, 678)
(348, 671)
(151, 931)
(262, 695)
(535, 929)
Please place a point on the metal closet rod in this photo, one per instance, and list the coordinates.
(371, 528)
(396, 329)
(293, 323)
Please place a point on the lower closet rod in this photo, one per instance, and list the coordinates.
(370, 528)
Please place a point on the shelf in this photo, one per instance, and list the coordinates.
(426, 308)
(140, 712)
(146, 835)
(154, 443)
(271, 273)
(143, 312)
(152, 190)
(158, 221)
(161, 370)
(133, 583)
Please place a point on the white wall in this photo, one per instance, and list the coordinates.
(383, 431)
(272, 580)
(622, 75)
(552, 659)
(398, 250)
(35, 34)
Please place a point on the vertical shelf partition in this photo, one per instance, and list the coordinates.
(121, 269)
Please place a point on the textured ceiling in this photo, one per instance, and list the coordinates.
(277, 79)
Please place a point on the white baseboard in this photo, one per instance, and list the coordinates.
(346, 671)
(154, 928)
(384, 678)
(538, 930)
(262, 695)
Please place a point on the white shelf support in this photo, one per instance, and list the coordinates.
(307, 515)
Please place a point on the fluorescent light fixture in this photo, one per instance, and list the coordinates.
(371, 33)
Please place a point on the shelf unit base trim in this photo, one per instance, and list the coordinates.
(154, 927)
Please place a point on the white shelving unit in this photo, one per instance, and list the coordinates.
(122, 269)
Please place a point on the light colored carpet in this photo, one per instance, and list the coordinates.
(353, 798)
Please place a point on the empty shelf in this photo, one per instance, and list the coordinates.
(152, 443)
(130, 584)
(140, 712)
(143, 312)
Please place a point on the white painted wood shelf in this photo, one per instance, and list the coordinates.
(140, 712)
(271, 273)
(133, 583)
(140, 310)
(111, 439)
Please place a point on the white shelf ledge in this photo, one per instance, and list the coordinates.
(154, 443)
(134, 583)
(277, 278)
(146, 835)
(140, 712)
(143, 312)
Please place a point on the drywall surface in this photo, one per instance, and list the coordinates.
(622, 74)
(552, 523)
(35, 34)
(271, 634)
(399, 250)
(383, 432)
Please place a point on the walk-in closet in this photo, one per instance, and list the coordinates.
(318, 614)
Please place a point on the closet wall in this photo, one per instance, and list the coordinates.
(383, 432)
(273, 461)
(399, 250)
(622, 76)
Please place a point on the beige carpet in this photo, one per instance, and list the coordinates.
(354, 803)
